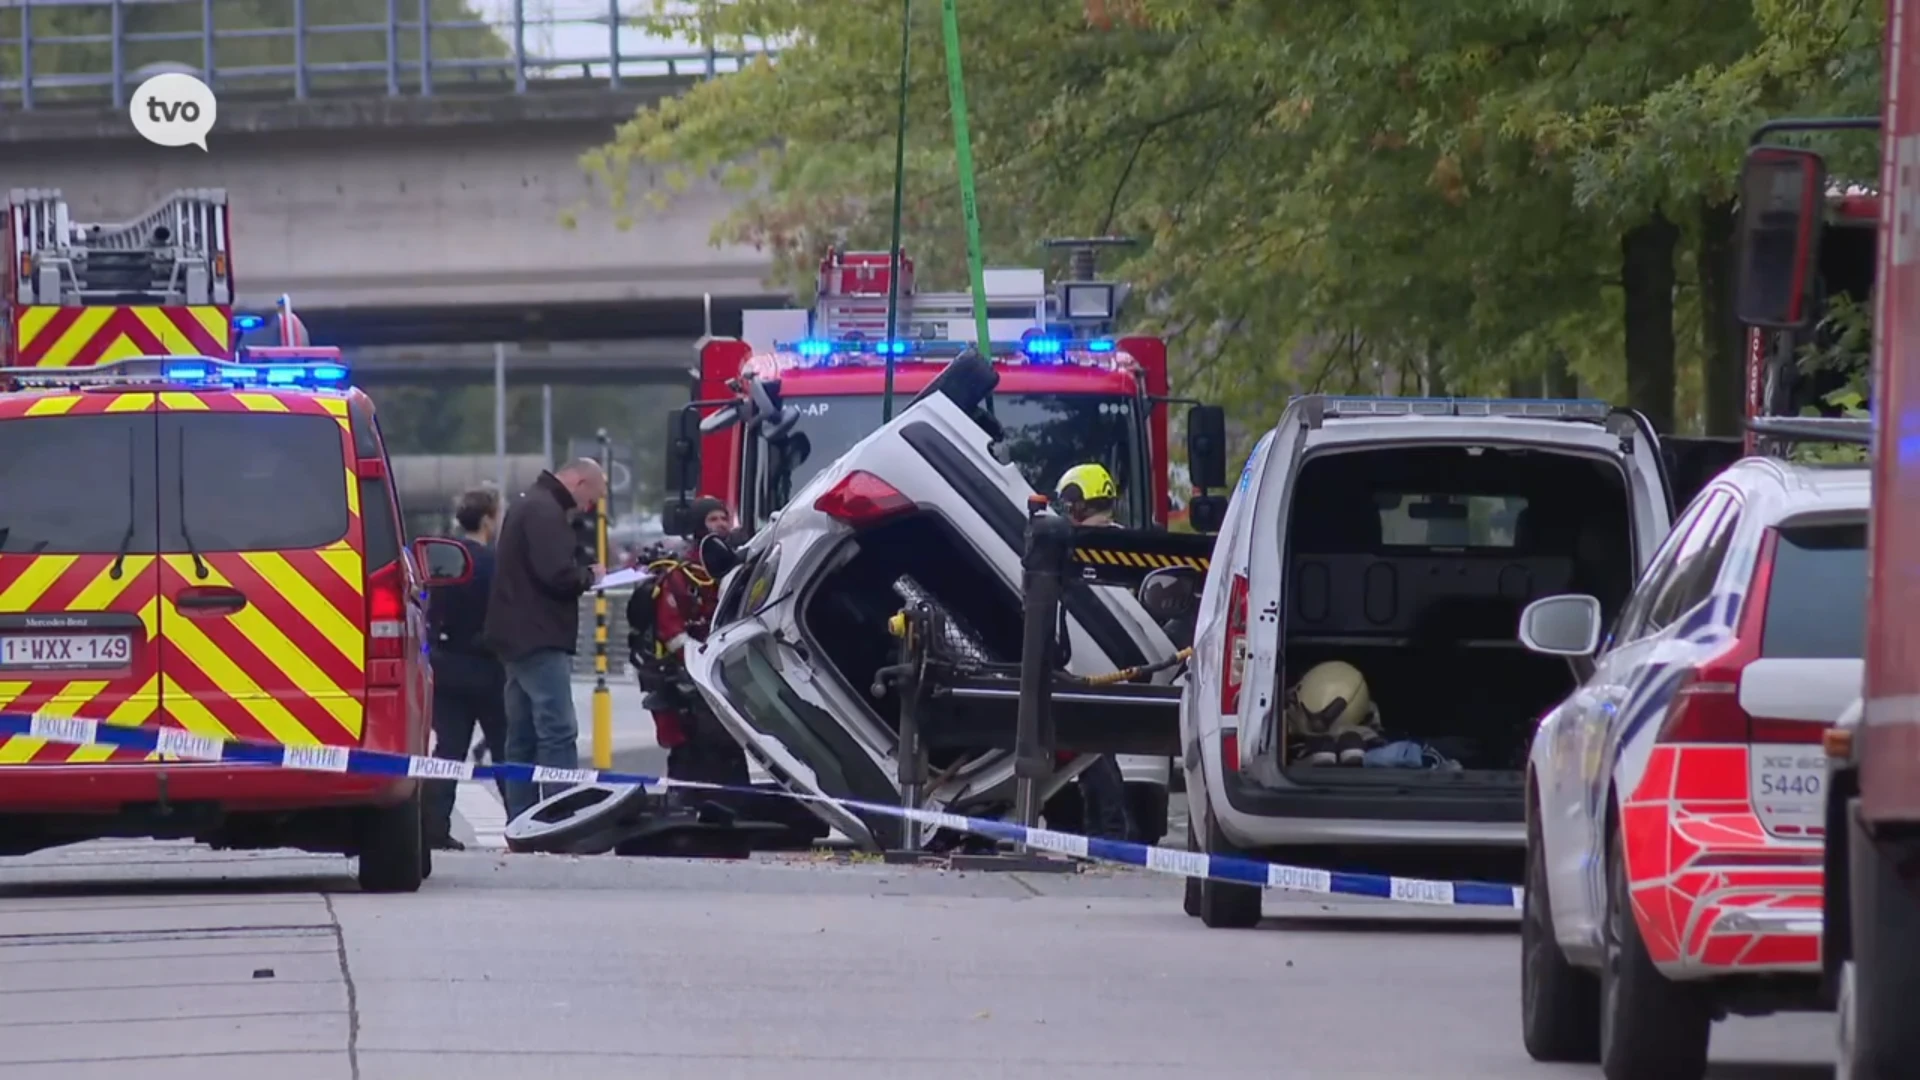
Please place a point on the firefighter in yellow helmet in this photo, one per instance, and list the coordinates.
(1331, 717)
(1087, 495)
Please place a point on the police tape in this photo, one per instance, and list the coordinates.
(189, 746)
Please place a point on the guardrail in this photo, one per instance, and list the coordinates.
(93, 53)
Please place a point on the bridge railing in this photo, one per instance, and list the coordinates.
(94, 53)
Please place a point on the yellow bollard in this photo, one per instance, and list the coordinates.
(602, 697)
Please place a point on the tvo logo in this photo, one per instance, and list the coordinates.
(174, 109)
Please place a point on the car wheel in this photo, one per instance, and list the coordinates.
(1651, 1028)
(1191, 901)
(392, 848)
(1226, 905)
(1147, 806)
(1559, 1003)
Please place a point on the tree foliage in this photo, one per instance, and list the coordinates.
(1346, 194)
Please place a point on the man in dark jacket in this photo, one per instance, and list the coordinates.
(533, 619)
(469, 685)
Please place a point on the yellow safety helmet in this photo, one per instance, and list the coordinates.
(1332, 695)
(1085, 483)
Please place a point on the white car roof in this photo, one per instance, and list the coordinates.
(1347, 433)
(1778, 490)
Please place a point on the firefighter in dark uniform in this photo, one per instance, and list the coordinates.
(469, 685)
(1088, 497)
(684, 595)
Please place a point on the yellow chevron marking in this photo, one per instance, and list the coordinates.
(32, 584)
(339, 630)
(130, 403)
(214, 322)
(353, 493)
(53, 406)
(99, 594)
(63, 351)
(260, 402)
(335, 405)
(347, 563)
(33, 320)
(282, 653)
(192, 715)
(182, 401)
(173, 340)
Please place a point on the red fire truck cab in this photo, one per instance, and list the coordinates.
(1070, 391)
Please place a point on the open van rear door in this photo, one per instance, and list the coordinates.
(1256, 578)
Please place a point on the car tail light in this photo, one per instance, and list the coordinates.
(386, 614)
(861, 499)
(1706, 706)
(1234, 652)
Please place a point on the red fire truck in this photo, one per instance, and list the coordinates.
(1872, 921)
(75, 294)
(1069, 392)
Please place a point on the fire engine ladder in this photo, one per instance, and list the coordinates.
(175, 253)
(1017, 301)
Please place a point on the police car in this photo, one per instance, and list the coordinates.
(1676, 818)
(215, 547)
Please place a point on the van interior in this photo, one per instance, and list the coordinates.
(1413, 565)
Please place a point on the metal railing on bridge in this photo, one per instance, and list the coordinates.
(93, 53)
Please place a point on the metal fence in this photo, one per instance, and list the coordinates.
(93, 53)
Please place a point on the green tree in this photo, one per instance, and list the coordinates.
(1336, 193)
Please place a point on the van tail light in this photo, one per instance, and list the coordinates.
(1230, 750)
(386, 617)
(1234, 653)
(862, 499)
(1706, 706)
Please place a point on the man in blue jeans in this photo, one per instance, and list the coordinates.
(533, 619)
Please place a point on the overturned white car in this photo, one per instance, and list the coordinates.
(920, 511)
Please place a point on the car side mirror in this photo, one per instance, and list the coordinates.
(1206, 513)
(683, 451)
(1170, 593)
(1207, 446)
(1566, 625)
(443, 561)
(1783, 194)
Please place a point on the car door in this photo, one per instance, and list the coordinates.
(261, 591)
(1573, 798)
(1269, 485)
(1673, 627)
(79, 619)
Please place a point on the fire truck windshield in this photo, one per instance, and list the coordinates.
(1047, 434)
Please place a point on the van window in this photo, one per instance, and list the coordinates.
(1816, 604)
(75, 485)
(251, 482)
(1482, 521)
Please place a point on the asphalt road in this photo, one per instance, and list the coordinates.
(168, 962)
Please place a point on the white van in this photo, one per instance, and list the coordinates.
(1402, 536)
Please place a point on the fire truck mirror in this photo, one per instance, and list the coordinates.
(1782, 198)
(1206, 513)
(683, 452)
(676, 517)
(1207, 446)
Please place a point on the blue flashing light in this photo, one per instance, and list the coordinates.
(244, 323)
(1043, 346)
(1034, 348)
(186, 373)
(1100, 346)
(815, 349)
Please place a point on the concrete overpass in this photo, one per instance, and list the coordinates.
(419, 209)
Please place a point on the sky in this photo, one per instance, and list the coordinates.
(577, 30)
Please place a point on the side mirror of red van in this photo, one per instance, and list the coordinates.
(1783, 199)
(443, 561)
